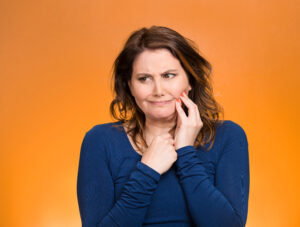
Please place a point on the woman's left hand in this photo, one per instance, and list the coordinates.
(189, 126)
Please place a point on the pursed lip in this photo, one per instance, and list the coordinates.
(161, 102)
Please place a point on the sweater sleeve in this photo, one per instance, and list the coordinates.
(224, 203)
(95, 189)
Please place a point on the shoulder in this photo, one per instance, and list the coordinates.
(231, 131)
(101, 132)
(103, 129)
(95, 142)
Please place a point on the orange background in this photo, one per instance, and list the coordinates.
(55, 62)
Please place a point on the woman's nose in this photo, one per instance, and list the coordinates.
(158, 87)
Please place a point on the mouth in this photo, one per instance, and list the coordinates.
(160, 103)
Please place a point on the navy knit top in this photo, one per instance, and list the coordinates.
(202, 188)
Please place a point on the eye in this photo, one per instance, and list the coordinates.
(142, 79)
(169, 75)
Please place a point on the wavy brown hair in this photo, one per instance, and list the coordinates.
(123, 107)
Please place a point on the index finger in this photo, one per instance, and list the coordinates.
(192, 107)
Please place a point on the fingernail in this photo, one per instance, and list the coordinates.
(182, 94)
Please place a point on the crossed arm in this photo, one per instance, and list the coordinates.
(222, 203)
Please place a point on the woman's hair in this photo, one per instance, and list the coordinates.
(123, 107)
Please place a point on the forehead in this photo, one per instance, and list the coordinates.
(155, 60)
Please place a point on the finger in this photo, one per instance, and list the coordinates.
(187, 101)
(192, 107)
(168, 140)
(180, 111)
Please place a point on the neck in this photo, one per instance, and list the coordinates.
(155, 127)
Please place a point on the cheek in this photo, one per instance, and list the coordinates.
(141, 93)
(178, 89)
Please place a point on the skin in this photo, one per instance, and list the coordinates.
(158, 76)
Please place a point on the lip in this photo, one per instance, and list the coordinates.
(160, 102)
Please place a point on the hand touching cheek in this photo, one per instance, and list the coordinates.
(189, 126)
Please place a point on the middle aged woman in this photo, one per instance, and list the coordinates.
(168, 160)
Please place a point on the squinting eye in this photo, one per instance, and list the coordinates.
(143, 78)
(172, 75)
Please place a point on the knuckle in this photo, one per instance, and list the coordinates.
(194, 106)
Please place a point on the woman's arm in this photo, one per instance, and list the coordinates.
(95, 189)
(226, 202)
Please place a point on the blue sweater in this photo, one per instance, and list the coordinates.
(202, 188)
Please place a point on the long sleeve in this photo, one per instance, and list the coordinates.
(225, 202)
(95, 189)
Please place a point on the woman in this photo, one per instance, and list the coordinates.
(168, 160)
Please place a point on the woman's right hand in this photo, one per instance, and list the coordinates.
(161, 153)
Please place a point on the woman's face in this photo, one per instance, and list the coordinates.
(157, 80)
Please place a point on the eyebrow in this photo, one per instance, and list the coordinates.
(169, 70)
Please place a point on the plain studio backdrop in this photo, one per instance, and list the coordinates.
(55, 68)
